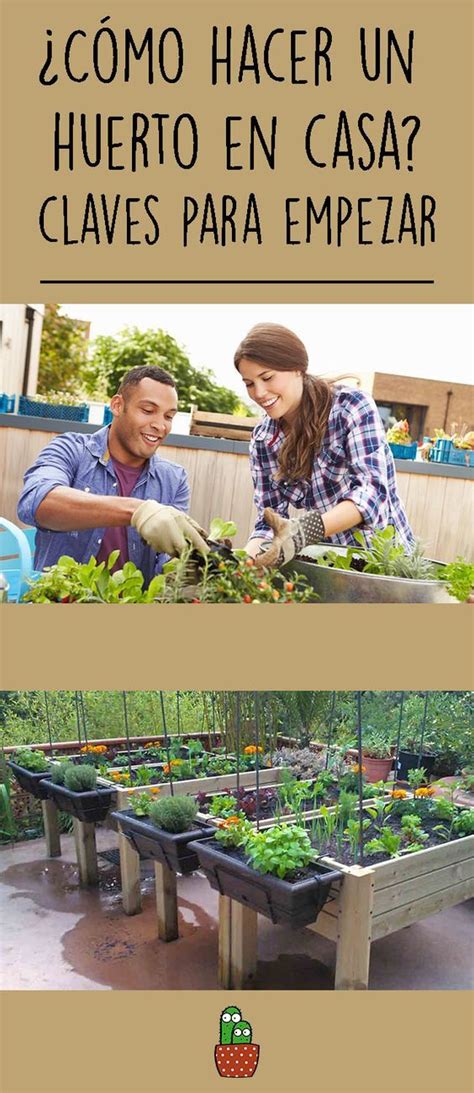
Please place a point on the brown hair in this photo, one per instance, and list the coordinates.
(145, 371)
(282, 350)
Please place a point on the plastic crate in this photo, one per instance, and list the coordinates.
(440, 451)
(404, 451)
(462, 457)
(47, 409)
(108, 415)
(7, 404)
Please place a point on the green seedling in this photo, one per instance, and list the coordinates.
(242, 1033)
(229, 1018)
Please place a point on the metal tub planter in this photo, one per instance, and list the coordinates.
(349, 586)
(153, 842)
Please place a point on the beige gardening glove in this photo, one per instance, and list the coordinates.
(290, 536)
(166, 529)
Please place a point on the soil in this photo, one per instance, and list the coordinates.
(344, 854)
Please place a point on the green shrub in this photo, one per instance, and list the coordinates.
(173, 814)
(59, 771)
(80, 779)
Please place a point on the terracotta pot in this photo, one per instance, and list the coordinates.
(236, 1060)
(376, 770)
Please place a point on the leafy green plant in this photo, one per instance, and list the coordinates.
(464, 823)
(80, 779)
(34, 761)
(417, 777)
(142, 776)
(459, 578)
(412, 829)
(352, 833)
(388, 842)
(175, 814)
(222, 805)
(234, 831)
(69, 581)
(379, 812)
(443, 809)
(377, 744)
(280, 850)
(141, 803)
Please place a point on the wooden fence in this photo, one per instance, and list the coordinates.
(440, 508)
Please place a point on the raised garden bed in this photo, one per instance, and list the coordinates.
(91, 806)
(293, 903)
(31, 781)
(153, 842)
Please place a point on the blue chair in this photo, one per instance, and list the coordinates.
(15, 559)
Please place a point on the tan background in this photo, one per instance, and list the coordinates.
(323, 1043)
(237, 646)
(440, 95)
(310, 1042)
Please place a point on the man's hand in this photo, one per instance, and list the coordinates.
(167, 529)
(290, 536)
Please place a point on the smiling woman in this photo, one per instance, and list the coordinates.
(320, 447)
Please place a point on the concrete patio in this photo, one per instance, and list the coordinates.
(57, 936)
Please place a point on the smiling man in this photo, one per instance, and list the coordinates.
(91, 494)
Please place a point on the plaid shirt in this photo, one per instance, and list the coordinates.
(354, 464)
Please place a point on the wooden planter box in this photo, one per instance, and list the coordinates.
(213, 784)
(371, 903)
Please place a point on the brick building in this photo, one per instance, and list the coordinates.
(426, 404)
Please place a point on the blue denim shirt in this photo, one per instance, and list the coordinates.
(83, 462)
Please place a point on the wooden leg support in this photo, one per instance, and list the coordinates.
(354, 930)
(166, 902)
(238, 930)
(51, 829)
(84, 835)
(130, 874)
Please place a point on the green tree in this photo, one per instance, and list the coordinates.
(112, 357)
(63, 353)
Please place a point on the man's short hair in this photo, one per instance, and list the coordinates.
(142, 372)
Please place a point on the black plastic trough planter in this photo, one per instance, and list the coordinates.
(29, 780)
(163, 846)
(292, 904)
(410, 760)
(90, 806)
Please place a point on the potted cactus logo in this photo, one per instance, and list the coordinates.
(235, 1055)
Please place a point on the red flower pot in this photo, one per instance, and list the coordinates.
(376, 770)
(236, 1060)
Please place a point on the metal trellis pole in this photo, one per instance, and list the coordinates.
(48, 722)
(127, 734)
(423, 727)
(399, 735)
(83, 711)
(331, 719)
(257, 759)
(78, 718)
(167, 743)
(237, 725)
(359, 751)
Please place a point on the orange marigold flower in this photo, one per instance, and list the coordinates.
(252, 749)
(424, 791)
(229, 821)
(356, 768)
(155, 789)
(399, 794)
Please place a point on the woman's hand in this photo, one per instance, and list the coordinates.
(290, 536)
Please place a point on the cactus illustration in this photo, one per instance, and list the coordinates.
(229, 1018)
(235, 1056)
(242, 1033)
